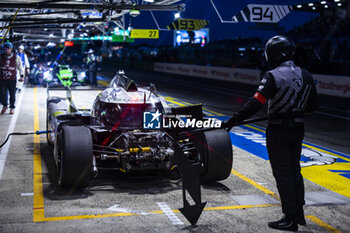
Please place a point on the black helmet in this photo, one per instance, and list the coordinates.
(279, 49)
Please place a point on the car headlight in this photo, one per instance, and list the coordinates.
(81, 76)
(47, 76)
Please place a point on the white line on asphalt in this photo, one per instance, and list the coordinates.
(170, 214)
(5, 149)
(26, 194)
(125, 210)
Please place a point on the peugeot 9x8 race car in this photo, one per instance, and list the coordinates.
(112, 136)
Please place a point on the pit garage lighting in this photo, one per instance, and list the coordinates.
(51, 44)
(51, 35)
(339, 4)
(148, 0)
(177, 15)
(325, 6)
(336, 0)
(323, 2)
(314, 8)
(299, 6)
(45, 29)
(310, 4)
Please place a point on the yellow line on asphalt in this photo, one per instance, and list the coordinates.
(252, 127)
(256, 185)
(322, 224)
(327, 152)
(77, 217)
(38, 199)
(103, 83)
(92, 216)
(314, 174)
(170, 99)
(235, 207)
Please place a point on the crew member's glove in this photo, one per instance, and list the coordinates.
(22, 78)
(228, 124)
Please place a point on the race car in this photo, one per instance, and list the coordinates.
(40, 74)
(112, 136)
(57, 75)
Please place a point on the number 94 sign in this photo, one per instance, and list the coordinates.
(259, 13)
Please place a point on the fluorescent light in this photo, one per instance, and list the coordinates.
(339, 4)
(177, 15)
(299, 6)
(336, 0)
(45, 29)
(325, 6)
(51, 35)
(310, 4)
(323, 2)
(314, 8)
(148, 0)
(51, 44)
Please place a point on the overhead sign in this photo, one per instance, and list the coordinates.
(260, 13)
(144, 34)
(188, 24)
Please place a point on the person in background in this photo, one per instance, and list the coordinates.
(91, 62)
(10, 63)
(25, 64)
(291, 93)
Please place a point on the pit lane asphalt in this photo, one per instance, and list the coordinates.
(31, 201)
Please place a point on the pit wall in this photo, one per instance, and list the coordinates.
(333, 85)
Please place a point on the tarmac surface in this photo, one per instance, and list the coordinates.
(31, 200)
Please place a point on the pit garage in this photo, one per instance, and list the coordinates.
(93, 62)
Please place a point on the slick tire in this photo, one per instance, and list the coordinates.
(48, 135)
(216, 156)
(75, 157)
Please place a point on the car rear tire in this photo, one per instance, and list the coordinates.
(216, 156)
(48, 135)
(74, 156)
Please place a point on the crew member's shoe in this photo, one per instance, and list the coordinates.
(12, 111)
(301, 220)
(3, 110)
(284, 224)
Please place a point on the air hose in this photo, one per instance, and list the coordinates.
(25, 133)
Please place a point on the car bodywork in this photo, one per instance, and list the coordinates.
(59, 75)
(118, 139)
